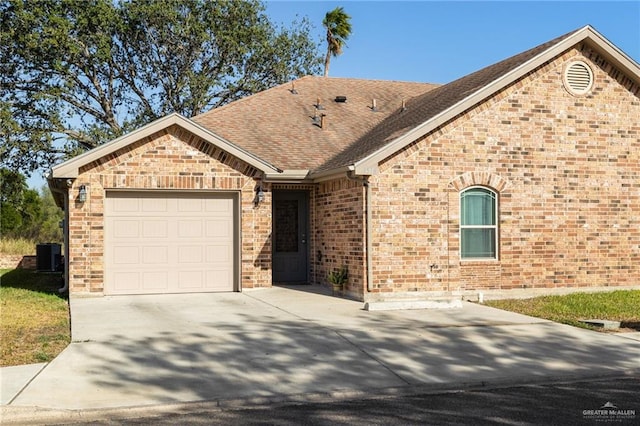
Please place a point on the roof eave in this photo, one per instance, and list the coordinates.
(587, 33)
(287, 176)
(70, 168)
(59, 190)
(331, 174)
(612, 53)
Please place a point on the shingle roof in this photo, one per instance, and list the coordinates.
(428, 105)
(278, 126)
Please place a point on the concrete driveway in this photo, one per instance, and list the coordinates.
(277, 342)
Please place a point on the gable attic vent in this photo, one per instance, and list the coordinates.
(578, 78)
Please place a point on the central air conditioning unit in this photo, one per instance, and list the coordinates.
(48, 257)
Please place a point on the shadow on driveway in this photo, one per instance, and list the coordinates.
(132, 351)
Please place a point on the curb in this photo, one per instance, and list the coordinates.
(24, 415)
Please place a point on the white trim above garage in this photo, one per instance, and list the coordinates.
(171, 242)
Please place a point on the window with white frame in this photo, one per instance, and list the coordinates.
(478, 223)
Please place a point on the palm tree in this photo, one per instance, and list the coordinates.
(338, 26)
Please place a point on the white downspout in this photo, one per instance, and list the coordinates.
(368, 226)
(65, 236)
(369, 238)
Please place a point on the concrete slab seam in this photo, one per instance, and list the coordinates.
(383, 365)
(376, 360)
(275, 306)
(27, 384)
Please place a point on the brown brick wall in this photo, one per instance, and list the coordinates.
(172, 159)
(338, 231)
(567, 171)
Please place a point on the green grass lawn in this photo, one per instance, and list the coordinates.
(619, 305)
(34, 318)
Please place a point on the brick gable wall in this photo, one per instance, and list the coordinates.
(173, 159)
(567, 171)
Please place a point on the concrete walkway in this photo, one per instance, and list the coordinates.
(270, 343)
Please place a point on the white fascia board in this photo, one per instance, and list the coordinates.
(70, 168)
(289, 176)
(302, 176)
(331, 174)
(371, 161)
(366, 169)
(614, 55)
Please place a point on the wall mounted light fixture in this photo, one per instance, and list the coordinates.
(259, 195)
(82, 193)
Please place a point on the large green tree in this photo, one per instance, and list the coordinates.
(77, 73)
(338, 26)
(12, 187)
(27, 213)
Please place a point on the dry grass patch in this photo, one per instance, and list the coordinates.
(17, 246)
(34, 319)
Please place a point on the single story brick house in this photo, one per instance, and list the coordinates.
(520, 178)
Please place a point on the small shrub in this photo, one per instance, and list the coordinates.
(339, 276)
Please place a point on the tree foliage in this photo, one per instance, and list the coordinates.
(26, 213)
(75, 74)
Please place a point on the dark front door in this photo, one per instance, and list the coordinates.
(290, 237)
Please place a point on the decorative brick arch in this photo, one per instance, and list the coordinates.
(483, 178)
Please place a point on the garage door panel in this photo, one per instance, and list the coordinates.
(155, 228)
(190, 254)
(154, 205)
(125, 282)
(125, 205)
(190, 205)
(218, 253)
(223, 209)
(123, 255)
(190, 280)
(218, 279)
(154, 255)
(126, 229)
(189, 228)
(169, 242)
(154, 281)
(219, 229)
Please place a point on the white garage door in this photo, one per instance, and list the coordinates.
(169, 242)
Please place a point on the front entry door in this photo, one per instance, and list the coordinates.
(290, 237)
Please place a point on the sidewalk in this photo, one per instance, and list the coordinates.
(277, 343)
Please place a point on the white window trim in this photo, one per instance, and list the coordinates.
(496, 227)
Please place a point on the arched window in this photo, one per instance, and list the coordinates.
(478, 223)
